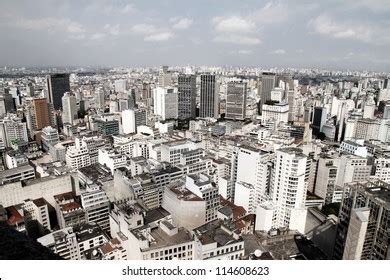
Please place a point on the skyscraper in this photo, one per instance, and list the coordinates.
(268, 81)
(164, 77)
(57, 85)
(209, 96)
(165, 102)
(41, 113)
(236, 101)
(363, 229)
(287, 192)
(319, 119)
(69, 112)
(186, 96)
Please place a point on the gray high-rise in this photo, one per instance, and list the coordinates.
(268, 81)
(209, 97)
(186, 96)
(57, 85)
(236, 101)
(363, 229)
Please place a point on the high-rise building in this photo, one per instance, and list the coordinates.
(186, 96)
(13, 131)
(165, 102)
(69, 108)
(209, 96)
(286, 207)
(41, 113)
(268, 81)
(99, 99)
(120, 86)
(97, 206)
(363, 229)
(57, 85)
(236, 101)
(164, 77)
(319, 119)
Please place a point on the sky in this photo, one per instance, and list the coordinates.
(328, 34)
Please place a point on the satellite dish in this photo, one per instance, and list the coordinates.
(258, 253)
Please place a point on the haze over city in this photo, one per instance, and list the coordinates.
(331, 34)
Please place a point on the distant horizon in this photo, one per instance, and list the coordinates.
(286, 68)
(334, 34)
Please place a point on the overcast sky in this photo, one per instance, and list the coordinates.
(340, 34)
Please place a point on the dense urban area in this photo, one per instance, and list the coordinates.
(194, 163)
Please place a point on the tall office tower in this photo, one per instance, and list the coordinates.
(165, 103)
(164, 77)
(146, 91)
(41, 113)
(99, 99)
(131, 99)
(209, 96)
(120, 86)
(57, 85)
(386, 83)
(7, 103)
(319, 119)
(369, 108)
(291, 105)
(326, 186)
(69, 111)
(268, 81)
(363, 229)
(30, 89)
(288, 191)
(186, 96)
(236, 101)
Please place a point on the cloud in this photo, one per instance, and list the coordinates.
(181, 23)
(80, 36)
(112, 29)
(271, 12)
(233, 24)
(50, 24)
(98, 36)
(237, 39)
(325, 25)
(129, 8)
(245, 52)
(158, 37)
(278, 51)
(108, 7)
(143, 29)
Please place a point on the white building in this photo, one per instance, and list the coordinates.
(277, 112)
(112, 159)
(13, 131)
(354, 147)
(97, 206)
(69, 108)
(202, 186)
(216, 241)
(128, 121)
(187, 209)
(288, 190)
(165, 102)
(62, 242)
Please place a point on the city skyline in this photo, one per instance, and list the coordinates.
(335, 34)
